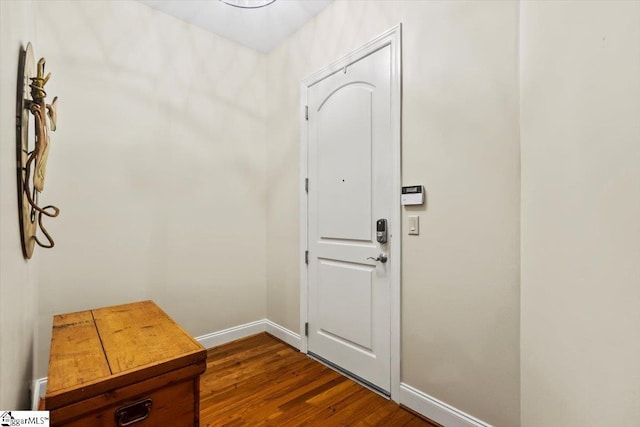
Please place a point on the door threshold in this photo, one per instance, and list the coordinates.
(374, 388)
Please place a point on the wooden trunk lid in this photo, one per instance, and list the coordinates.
(95, 351)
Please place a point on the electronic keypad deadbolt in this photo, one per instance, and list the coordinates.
(381, 230)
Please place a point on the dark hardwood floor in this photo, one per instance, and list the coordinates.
(260, 381)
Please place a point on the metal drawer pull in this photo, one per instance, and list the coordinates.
(133, 413)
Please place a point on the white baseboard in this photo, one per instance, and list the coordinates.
(284, 334)
(214, 339)
(436, 410)
(38, 389)
(237, 332)
(231, 334)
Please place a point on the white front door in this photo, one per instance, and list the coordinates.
(350, 171)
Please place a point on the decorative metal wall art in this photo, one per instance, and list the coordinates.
(33, 152)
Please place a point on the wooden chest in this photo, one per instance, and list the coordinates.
(123, 365)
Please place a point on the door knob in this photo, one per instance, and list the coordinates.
(381, 258)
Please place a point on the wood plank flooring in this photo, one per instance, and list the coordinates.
(260, 381)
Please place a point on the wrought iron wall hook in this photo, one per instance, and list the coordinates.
(32, 155)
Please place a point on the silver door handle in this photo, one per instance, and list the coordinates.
(381, 258)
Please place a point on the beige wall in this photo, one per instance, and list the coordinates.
(158, 167)
(18, 279)
(460, 323)
(580, 92)
(160, 123)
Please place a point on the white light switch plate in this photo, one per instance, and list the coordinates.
(414, 225)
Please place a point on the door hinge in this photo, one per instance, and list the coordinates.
(306, 329)
(306, 112)
(306, 257)
(306, 185)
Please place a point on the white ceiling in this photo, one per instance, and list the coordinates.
(261, 29)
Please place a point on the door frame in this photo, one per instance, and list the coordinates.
(392, 38)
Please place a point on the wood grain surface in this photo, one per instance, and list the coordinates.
(151, 387)
(142, 325)
(172, 407)
(102, 350)
(76, 354)
(260, 381)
